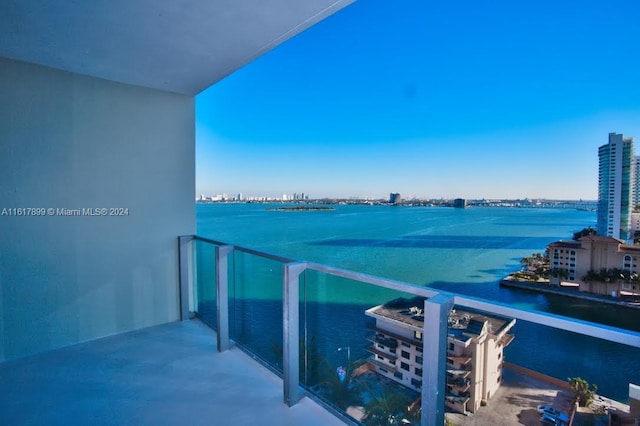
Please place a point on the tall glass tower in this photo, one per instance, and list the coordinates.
(615, 187)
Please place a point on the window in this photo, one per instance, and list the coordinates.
(451, 346)
(499, 379)
(416, 383)
(383, 370)
(417, 335)
(404, 366)
(419, 359)
(397, 375)
(419, 372)
(406, 345)
(405, 354)
(499, 355)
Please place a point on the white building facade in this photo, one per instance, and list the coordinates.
(475, 347)
(615, 187)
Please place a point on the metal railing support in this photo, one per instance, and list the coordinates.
(222, 296)
(184, 283)
(291, 331)
(434, 347)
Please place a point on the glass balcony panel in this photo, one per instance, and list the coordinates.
(205, 282)
(255, 310)
(563, 354)
(342, 348)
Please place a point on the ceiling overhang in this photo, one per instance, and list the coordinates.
(181, 46)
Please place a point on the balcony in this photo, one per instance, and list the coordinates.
(395, 336)
(306, 321)
(256, 341)
(506, 340)
(384, 365)
(376, 351)
(384, 340)
(460, 359)
(460, 384)
(167, 374)
(458, 373)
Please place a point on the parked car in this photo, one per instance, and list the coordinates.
(552, 412)
(549, 420)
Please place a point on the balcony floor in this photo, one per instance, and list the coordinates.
(169, 374)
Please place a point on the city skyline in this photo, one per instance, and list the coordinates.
(432, 101)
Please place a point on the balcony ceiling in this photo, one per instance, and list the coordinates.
(182, 46)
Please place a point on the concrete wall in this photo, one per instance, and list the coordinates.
(73, 142)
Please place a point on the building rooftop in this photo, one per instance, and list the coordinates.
(461, 321)
(601, 239)
(168, 374)
(566, 244)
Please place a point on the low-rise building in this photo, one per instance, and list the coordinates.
(475, 345)
(585, 261)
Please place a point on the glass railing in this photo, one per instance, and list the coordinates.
(342, 349)
(255, 304)
(374, 352)
(205, 281)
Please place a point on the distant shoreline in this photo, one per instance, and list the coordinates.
(301, 208)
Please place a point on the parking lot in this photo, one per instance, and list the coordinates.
(516, 401)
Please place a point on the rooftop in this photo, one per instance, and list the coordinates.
(467, 321)
(566, 244)
(601, 239)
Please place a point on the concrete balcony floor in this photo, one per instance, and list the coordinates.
(164, 375)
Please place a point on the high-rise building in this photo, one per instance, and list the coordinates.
(395, 198)
(636, 180)
(615, 187)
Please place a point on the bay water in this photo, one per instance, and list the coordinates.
(465, 251)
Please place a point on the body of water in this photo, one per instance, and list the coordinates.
(466, 251)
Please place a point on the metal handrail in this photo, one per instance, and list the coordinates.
(437, 306)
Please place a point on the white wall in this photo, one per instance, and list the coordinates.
(71, 141)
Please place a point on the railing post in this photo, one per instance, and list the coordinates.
(291, 331)
(222, 295)
(434, 346)
(184, 283)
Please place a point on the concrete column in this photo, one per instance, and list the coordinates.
(291, 331)
(434, 373)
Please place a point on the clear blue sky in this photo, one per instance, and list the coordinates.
(500, 99)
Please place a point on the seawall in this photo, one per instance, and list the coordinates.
(560, 291)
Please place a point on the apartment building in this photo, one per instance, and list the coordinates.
(616, 186)
(585, 259)
(475, 346)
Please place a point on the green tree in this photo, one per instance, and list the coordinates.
(583, 233)
(342, 393)
(390, 408)
(580, 388)
(561, 273)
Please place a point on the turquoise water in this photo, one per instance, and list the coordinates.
(422, 245)
(467, 251)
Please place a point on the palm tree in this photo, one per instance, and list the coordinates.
(390, 408)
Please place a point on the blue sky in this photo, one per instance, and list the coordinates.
(501, 99)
